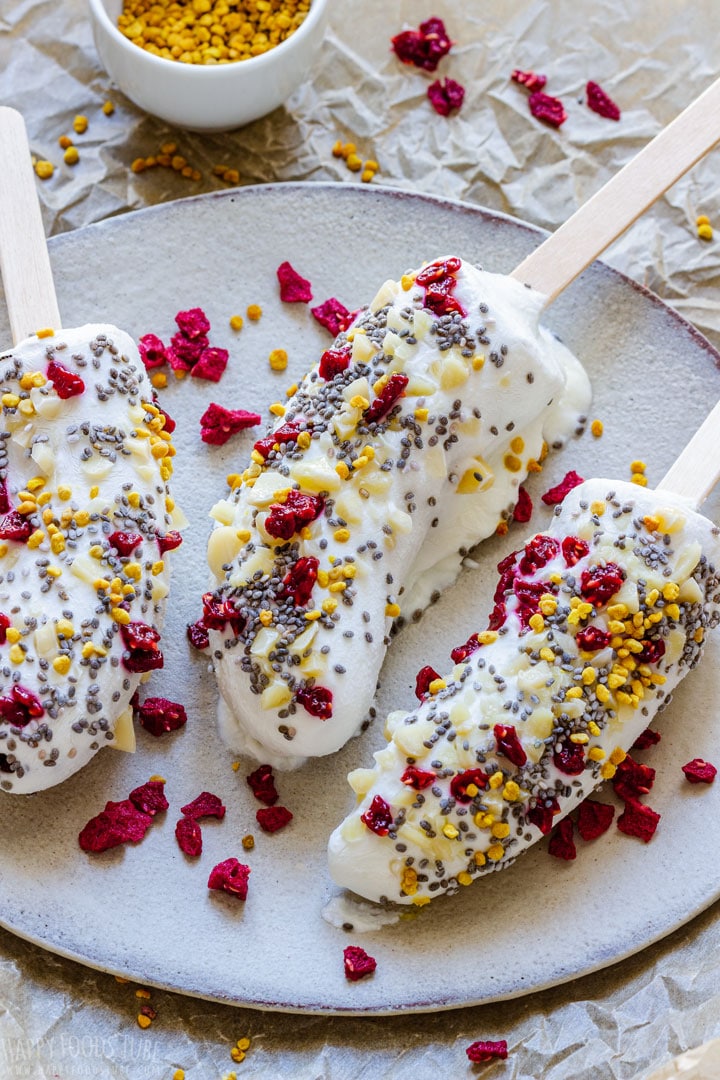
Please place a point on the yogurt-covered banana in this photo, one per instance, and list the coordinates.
(85, 520)
(595, 623)
(400, 450)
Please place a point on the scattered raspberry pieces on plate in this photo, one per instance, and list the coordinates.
(562, 844)
(193, 323)
(446, 96)
(189, 836)
(158, 715)
(152, 351)
(484, 1050)
(638, 820)
(546, 108)
(600, 102)
(230, 876)
(531, 80)
(150, 797)
(262, 785)
(646, 739)
(556, 494)
(594, 818)
(333, 315)
(218, 424)
(211, 364)
(294, 289)
(118, 823)
(272, 818)
(358, 964)
(424, 47)
(523, 507)
(205, 805)
(698, 771)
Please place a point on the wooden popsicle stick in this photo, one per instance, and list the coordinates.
(24, 262)
(605, 216)
(696, 472)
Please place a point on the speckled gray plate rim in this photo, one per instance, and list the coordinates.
(144, 911)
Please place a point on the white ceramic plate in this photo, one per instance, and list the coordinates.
(144, 911)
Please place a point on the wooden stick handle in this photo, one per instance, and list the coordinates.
(24, 262)
(604, 217)
(697, 470)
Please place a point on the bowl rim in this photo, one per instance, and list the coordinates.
(200, 71)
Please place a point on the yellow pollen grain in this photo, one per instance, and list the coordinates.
(496, 780)
(511, 791)
(596, 753)
(80, 124)
(589, 675)
(342, 470)
(617, 756)
(597, 428)
(392, 610)
(639, 478)
(450, 831)
(593, 728)
(303, 440)
(671, 591)
(495, 852)
(704, 230)
(479, 858)
(236, 322)
(312, 616)
(278, 360)
(512, 463)
(536, 622)
(608, 770)
(16, 654)
(486, 637)
(337, 586)
(341, 535)
(547, 654)
(71, 155)
(277, 409)
(143, 1021)
(12, 634)
(422, 414)
(436, 685)
(44, 170)
(120, 616)
(35, 539)
(254, 312)
(463, 878)
(517, 445)
(329, 606)
(500, 830)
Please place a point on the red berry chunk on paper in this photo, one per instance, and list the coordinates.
(638, 820)
(262, 785)
(357, 963)
(118, 823)
(152, 351)
(218, 424)
(562, 844)
(556, 494)
(158, 715)
(632, 779)
(484, 1050)
(150, 797)
(424, 47)
(531, 80)
(211, 364)
(594, 818)
(294, 289)
(205, 805)
(230, 876)
(523, 507)
(698, 771)
(600, 102)
(646, 739)
(272, 818)
(189, 836)
(193, 323)
(542, 813)
(333, 315)
(446, 96)
(546, 108)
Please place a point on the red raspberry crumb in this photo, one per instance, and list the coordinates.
(570, 758)
(272, 818)
(459, 784)
(378, 817)
(541, 815)
(21, 706)
(539, 552)
(574, 549)
(333, 315)
(333, 362)
(150, 797)
(483, 1050)
(294, 289)
(594, 818)
(523, 507)
(646, 739)
(600, 102)
(561, 844)
(393, 390)
(425, 676)
(152, 351)
(357, 963)
(124, 543)
(205, 805)
(169, 424)
(211, 365)
(424, 47)
(638, 820)
(418, 779)
(4, 623)
(509, 744)
(197, 635)
(592, 638)
(529, 79)
(168, 541)
(118, 823)
(632, 779)
(698, 771)
(600, 583)
(141, 641)
(445, 96)
(183, 351)
(189, 836)
(546, 108)
(556, 494)
(66, 383)
(316, 700)
(218, 424)
(230, 876)
(158, 715)
(15, 527)
(193, 323)
(262, 785)
(287, 433)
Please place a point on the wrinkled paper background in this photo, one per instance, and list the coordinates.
(59, 1020)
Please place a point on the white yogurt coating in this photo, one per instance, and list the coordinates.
(565, 701)
(404, 498)
(76, 469)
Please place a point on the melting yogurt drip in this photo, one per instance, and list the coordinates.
(401, 449)
(595, 623)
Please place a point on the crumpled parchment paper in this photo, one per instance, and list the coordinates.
(59, 1020)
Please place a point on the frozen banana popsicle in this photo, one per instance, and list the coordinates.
(403, 447)
(595, 623)
(86, 515)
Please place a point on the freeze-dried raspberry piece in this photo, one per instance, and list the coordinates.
(592, 638)
(262, 785)
(20, 707)
(66, 383)
(446, 95)
(152, 351)
(294, 289)
(523, 507)
(594, 818)
(600, 102)
(333, 315)
(574, 549)
(150, 797)
(546, 108)
(193, 323)
(484, 1050)
(632, 779)
(378, 816)
(4, 624)
(168, 541)
(556, 494)
(424, 47)
(124, 542)
(646, 739)
(218, 424)
(529, 79)
(287, 433)
(169, 424)
(529, 593)
(385, 401)
(333, 362)
(300, 580)
(600, 583)
(15, 527)
(561, 844)
(652, 652)
(141, 641)
(230, 876)
(189, 836)
(218, 612)
(698, 771)
(569, 758)
(272, 818)
(439, 281)
(197, 635)
(357, 963)
(538, 553)
(542, 813)
(118, 823)
(205, 805)
(509, 744)
(211, 365)
(316, 700)
(298, 510)
(461, 652)
(183, 352)
(471, 777)
(425, 676)
(638, 820)
(4, 497)
(418, 779)
(158, 715)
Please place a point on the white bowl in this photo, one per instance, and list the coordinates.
(207, 97)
